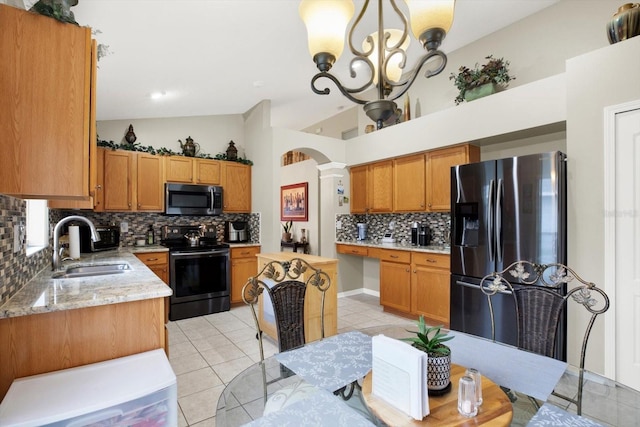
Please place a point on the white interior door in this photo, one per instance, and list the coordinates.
(627, 247)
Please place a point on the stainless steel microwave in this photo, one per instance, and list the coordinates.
(184, 199)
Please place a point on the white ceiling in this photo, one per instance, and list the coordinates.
(214, 57)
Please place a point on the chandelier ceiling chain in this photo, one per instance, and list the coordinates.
(383, 53)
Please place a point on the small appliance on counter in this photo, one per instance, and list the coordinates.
(424, 235)
(109, 238)
(388, 235)
(236, 231)
(362, 231)
(414, 233)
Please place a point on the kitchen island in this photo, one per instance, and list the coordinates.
(53, 324)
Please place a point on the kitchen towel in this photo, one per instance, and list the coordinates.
(74, 241)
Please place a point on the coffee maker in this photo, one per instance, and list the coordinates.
(424, 234)
(362, 231)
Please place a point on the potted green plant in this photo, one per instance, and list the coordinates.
(481, 80)
(431, 340)
(286, 227)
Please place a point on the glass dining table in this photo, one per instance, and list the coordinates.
(321, 384)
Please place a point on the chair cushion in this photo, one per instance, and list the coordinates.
(550, 415)
(292, 393)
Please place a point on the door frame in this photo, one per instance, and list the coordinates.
(610, 228)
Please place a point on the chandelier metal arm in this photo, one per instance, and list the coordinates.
(345, 91)
(407, 82)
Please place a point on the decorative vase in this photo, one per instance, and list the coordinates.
(480, 91)
(130, 136)
(438, 372)
(625, 23)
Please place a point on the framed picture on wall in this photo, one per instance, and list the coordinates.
(294, 203)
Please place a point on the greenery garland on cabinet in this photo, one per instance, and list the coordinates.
(134, 146)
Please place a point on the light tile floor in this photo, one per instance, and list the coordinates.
(207, 352)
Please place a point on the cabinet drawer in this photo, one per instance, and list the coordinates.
(391, 255)
(154, 258)
(431, 260)
(245, 252)
(352, 250)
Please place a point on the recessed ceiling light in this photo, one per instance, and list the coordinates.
(158, 95)
(258, 83)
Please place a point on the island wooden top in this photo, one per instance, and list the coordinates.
(496, 409)
(314, 260)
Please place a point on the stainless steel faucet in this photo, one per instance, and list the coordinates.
(55, 261)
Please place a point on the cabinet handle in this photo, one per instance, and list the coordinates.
(393, 256)
(152, 259)
(245, 253)
(98, 187)
(415, 271)
(407, 270)
(431, 260)
(129, 204)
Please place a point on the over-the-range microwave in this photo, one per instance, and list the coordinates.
(184, 199)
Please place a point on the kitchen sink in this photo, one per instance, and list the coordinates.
(92, 270)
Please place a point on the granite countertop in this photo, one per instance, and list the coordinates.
(438, 249)
(44, 294)
(242, 245)
(145, 248)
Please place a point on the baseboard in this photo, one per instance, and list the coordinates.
(358, 292)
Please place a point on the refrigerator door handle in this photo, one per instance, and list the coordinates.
(490, 229)
(498, 214)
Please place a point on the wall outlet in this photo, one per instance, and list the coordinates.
(338, 225)
(124, 227)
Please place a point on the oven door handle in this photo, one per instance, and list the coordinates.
(214, 252)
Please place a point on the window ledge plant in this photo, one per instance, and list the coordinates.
(495, 71)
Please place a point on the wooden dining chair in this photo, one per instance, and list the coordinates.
(541, 293)
(286, 283)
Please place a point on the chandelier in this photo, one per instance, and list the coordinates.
(383, 53)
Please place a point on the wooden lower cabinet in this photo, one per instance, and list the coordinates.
(430, 286)
(395, 285)
(48, 342)
(244, 264)
(158, 262)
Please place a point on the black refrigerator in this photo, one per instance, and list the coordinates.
(503, 211)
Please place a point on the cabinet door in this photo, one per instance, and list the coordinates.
(409, 192)
(439, 174)
(207, 172)
(395, 286)
(381, 186)
(236, 183)
(178, 169)
(149, 183)
(431, 290)
(241, 270)
(359, 194)
(118, 173)
(158, 262)
(45, 108)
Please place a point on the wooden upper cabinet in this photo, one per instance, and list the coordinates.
(118, 180)
(409, 188)
(207, 172)
(45, 111)
(439, 163)
(178, 169)
(236, 184)
(381, 186)
(149, 182)
(359, 196)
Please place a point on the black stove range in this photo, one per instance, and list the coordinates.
(199, 271)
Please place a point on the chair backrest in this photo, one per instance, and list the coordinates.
(541, 293)
(286, 283)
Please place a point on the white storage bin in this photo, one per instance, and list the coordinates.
(138, 390)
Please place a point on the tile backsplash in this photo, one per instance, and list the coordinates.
(378, 224)
(16, 269)
(138, 223)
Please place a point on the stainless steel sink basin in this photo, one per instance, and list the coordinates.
(92, 270)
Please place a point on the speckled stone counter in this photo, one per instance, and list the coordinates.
(45, 294)
(398, 246)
